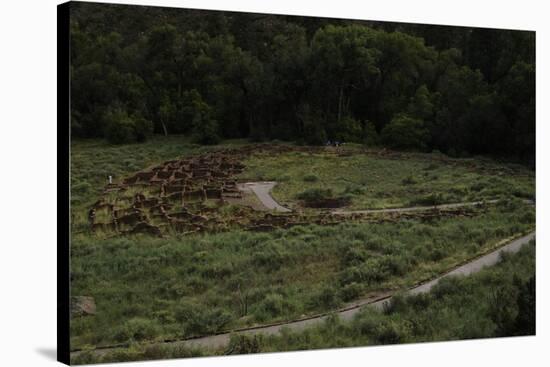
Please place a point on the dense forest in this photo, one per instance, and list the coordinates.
(213, 75)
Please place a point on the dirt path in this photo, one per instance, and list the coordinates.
(221, 340)
(262, 189)
(414, 208)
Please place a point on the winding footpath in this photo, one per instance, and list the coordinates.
(263, 191)
(378, 302)
(414, 208)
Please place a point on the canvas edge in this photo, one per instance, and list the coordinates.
(63, 186)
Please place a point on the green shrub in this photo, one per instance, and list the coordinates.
(85, 357)
(121, 355)
(81, 188)
(527, 217)
(525, 322)
(271, 306)
(375, 270)
(431, 199)
(217, 270)
(503, 309)
(431, 166)
(436, 253)
(351, 291)
(391, 332)
(349, 130)
(397, 302)
(314, 194)
(120, 129)
(365, 323)
(409, 180)
(314, 132)
(205, 130)
(395, 265)
(446, 286)
(523, 193)
(123, 128)
(270, 259)
(138, 329)
(353, 274)
(198, 320)
(354, 256)
(244, 344)
(326, 298)
(371, 136)
(205, 127)
(478, 186)
(143, 128)
(405, 132)
(311, 178)
(354, 190)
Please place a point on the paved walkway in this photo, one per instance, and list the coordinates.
(262, 189)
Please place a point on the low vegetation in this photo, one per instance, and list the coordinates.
(372, 180)
(498, 301)
(152, 289)
(177, 287)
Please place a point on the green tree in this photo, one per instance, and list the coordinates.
(349, 130)
(205, 128)
(516, 91)
(143, 127)
(472, 90)
(405, 132)
(344, 60)
(314, 133)
(371, 135)
(119, 127)
(421, 106)
(123, 128)
(525, 323)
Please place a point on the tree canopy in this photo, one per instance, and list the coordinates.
(214, 75)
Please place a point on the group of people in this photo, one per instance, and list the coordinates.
(333, 143)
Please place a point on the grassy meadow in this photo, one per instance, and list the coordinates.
(487, 304)
(372, 181)
(149, 289)
(347, 118)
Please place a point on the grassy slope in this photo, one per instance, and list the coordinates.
(378, 182)
(457, 308)
(155, 288)
(158, 288)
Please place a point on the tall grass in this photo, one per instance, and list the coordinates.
(457, 308)
(372, 181)
(150, 289)
(147, 288)
(497, 301)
